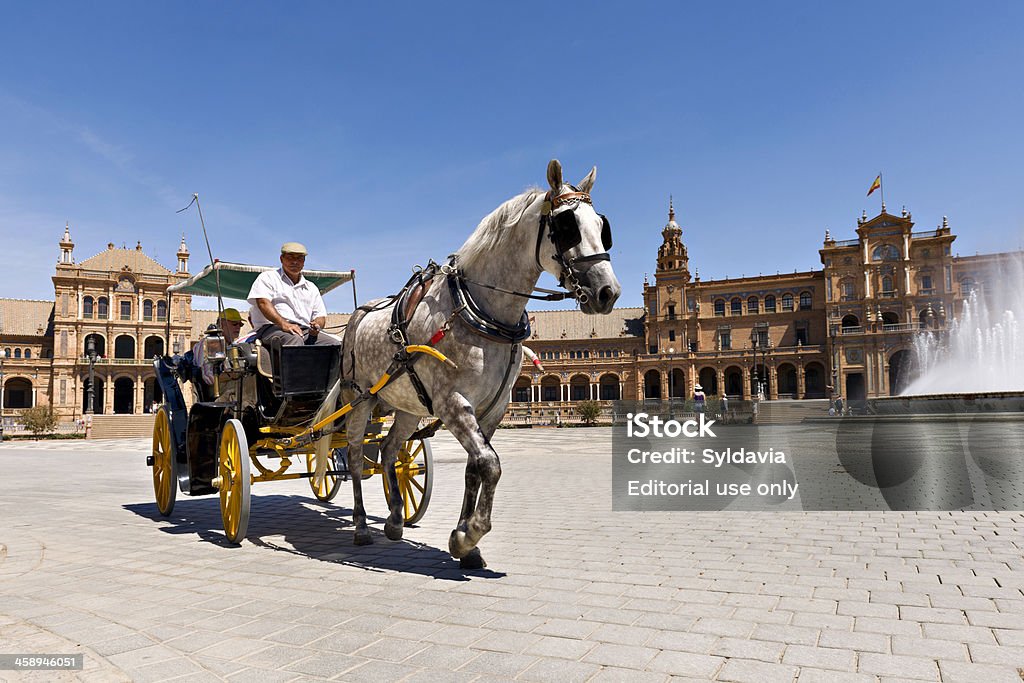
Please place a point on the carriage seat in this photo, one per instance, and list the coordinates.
(293, 380)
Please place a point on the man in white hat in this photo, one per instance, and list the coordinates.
(287, 309)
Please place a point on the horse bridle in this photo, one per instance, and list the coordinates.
(564, 232)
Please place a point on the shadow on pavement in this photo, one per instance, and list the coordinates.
(310, 528)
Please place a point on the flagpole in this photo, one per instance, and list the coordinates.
(881, 190)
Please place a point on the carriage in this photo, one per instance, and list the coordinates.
(259, 420)
(283, 405)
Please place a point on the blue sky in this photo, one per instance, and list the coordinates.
(381, 135)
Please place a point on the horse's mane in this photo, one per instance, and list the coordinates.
(494, 227)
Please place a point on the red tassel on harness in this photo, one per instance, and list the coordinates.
(438, 336)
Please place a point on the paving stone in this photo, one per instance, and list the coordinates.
(741, 648)
(559, 671)
(820, 658)
(499, 664)
(898, 665)
(686, 664)
(609, 654)
(964, 672)
(752, 671)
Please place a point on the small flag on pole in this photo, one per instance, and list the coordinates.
(875, 185)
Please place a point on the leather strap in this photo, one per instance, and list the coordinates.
(481, 323)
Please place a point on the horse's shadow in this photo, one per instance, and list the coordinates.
(313, 529)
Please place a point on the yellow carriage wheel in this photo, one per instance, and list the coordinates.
(165, 468)
(415, 469)
(235, 481)
(329, 487)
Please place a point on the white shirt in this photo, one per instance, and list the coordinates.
(299, 303)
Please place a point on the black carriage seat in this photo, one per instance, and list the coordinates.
(298, 381)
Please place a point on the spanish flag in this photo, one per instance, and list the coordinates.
(875, 185)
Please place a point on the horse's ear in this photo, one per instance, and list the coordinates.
(587, 184)
(555, 175)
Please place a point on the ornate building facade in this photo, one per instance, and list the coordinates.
(845, 329)
(115, 304)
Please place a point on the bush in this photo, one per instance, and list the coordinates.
(39, 420)
(589, 411)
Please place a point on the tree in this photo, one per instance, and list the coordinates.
(39, 420)
(589, 411)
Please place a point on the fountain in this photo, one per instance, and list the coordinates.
(953, 439)
(983, 349)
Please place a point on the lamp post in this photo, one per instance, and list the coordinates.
(760, 383)
(90, 391)
(2, 356)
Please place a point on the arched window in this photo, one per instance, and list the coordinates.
(752, 304)
(736, 306)
(28, 353)
(17, 353)
(805, 301)
(147, 310)
(101, 306)
(7, 353)
(719, 306)
(787, 302)
(161, 310)
(124, 346)
(87, 307)
(769, 304)
(885, 252)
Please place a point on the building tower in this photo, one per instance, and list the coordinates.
(672, 253)
(66, 247)
(182, 257)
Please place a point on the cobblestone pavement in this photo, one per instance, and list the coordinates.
(573, 592)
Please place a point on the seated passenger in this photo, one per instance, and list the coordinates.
(287, 309)
(230, 324)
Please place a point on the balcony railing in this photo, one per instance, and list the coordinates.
(858, 329)
(901, 327)
(888, 295)
(846, 243)
(116, 361)
(925, 234)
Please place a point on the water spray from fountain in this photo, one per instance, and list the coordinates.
(983, 349)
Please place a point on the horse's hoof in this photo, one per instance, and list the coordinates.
(393, 531)
(458, 545)
(363, 538)
(474, 560)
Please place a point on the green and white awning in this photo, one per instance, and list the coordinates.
(236, 280)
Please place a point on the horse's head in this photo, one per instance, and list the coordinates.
(576, 251)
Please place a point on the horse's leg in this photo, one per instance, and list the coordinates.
(355, 429)
(474, 559)
(402, 428)
(483, 469)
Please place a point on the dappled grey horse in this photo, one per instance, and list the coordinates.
(474, 309)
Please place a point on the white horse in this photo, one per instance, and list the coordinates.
(477, 301)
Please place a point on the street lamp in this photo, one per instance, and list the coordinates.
(2, 356)
(760, 383)
(90, 352)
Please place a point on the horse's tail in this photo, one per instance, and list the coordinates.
(323, 445)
